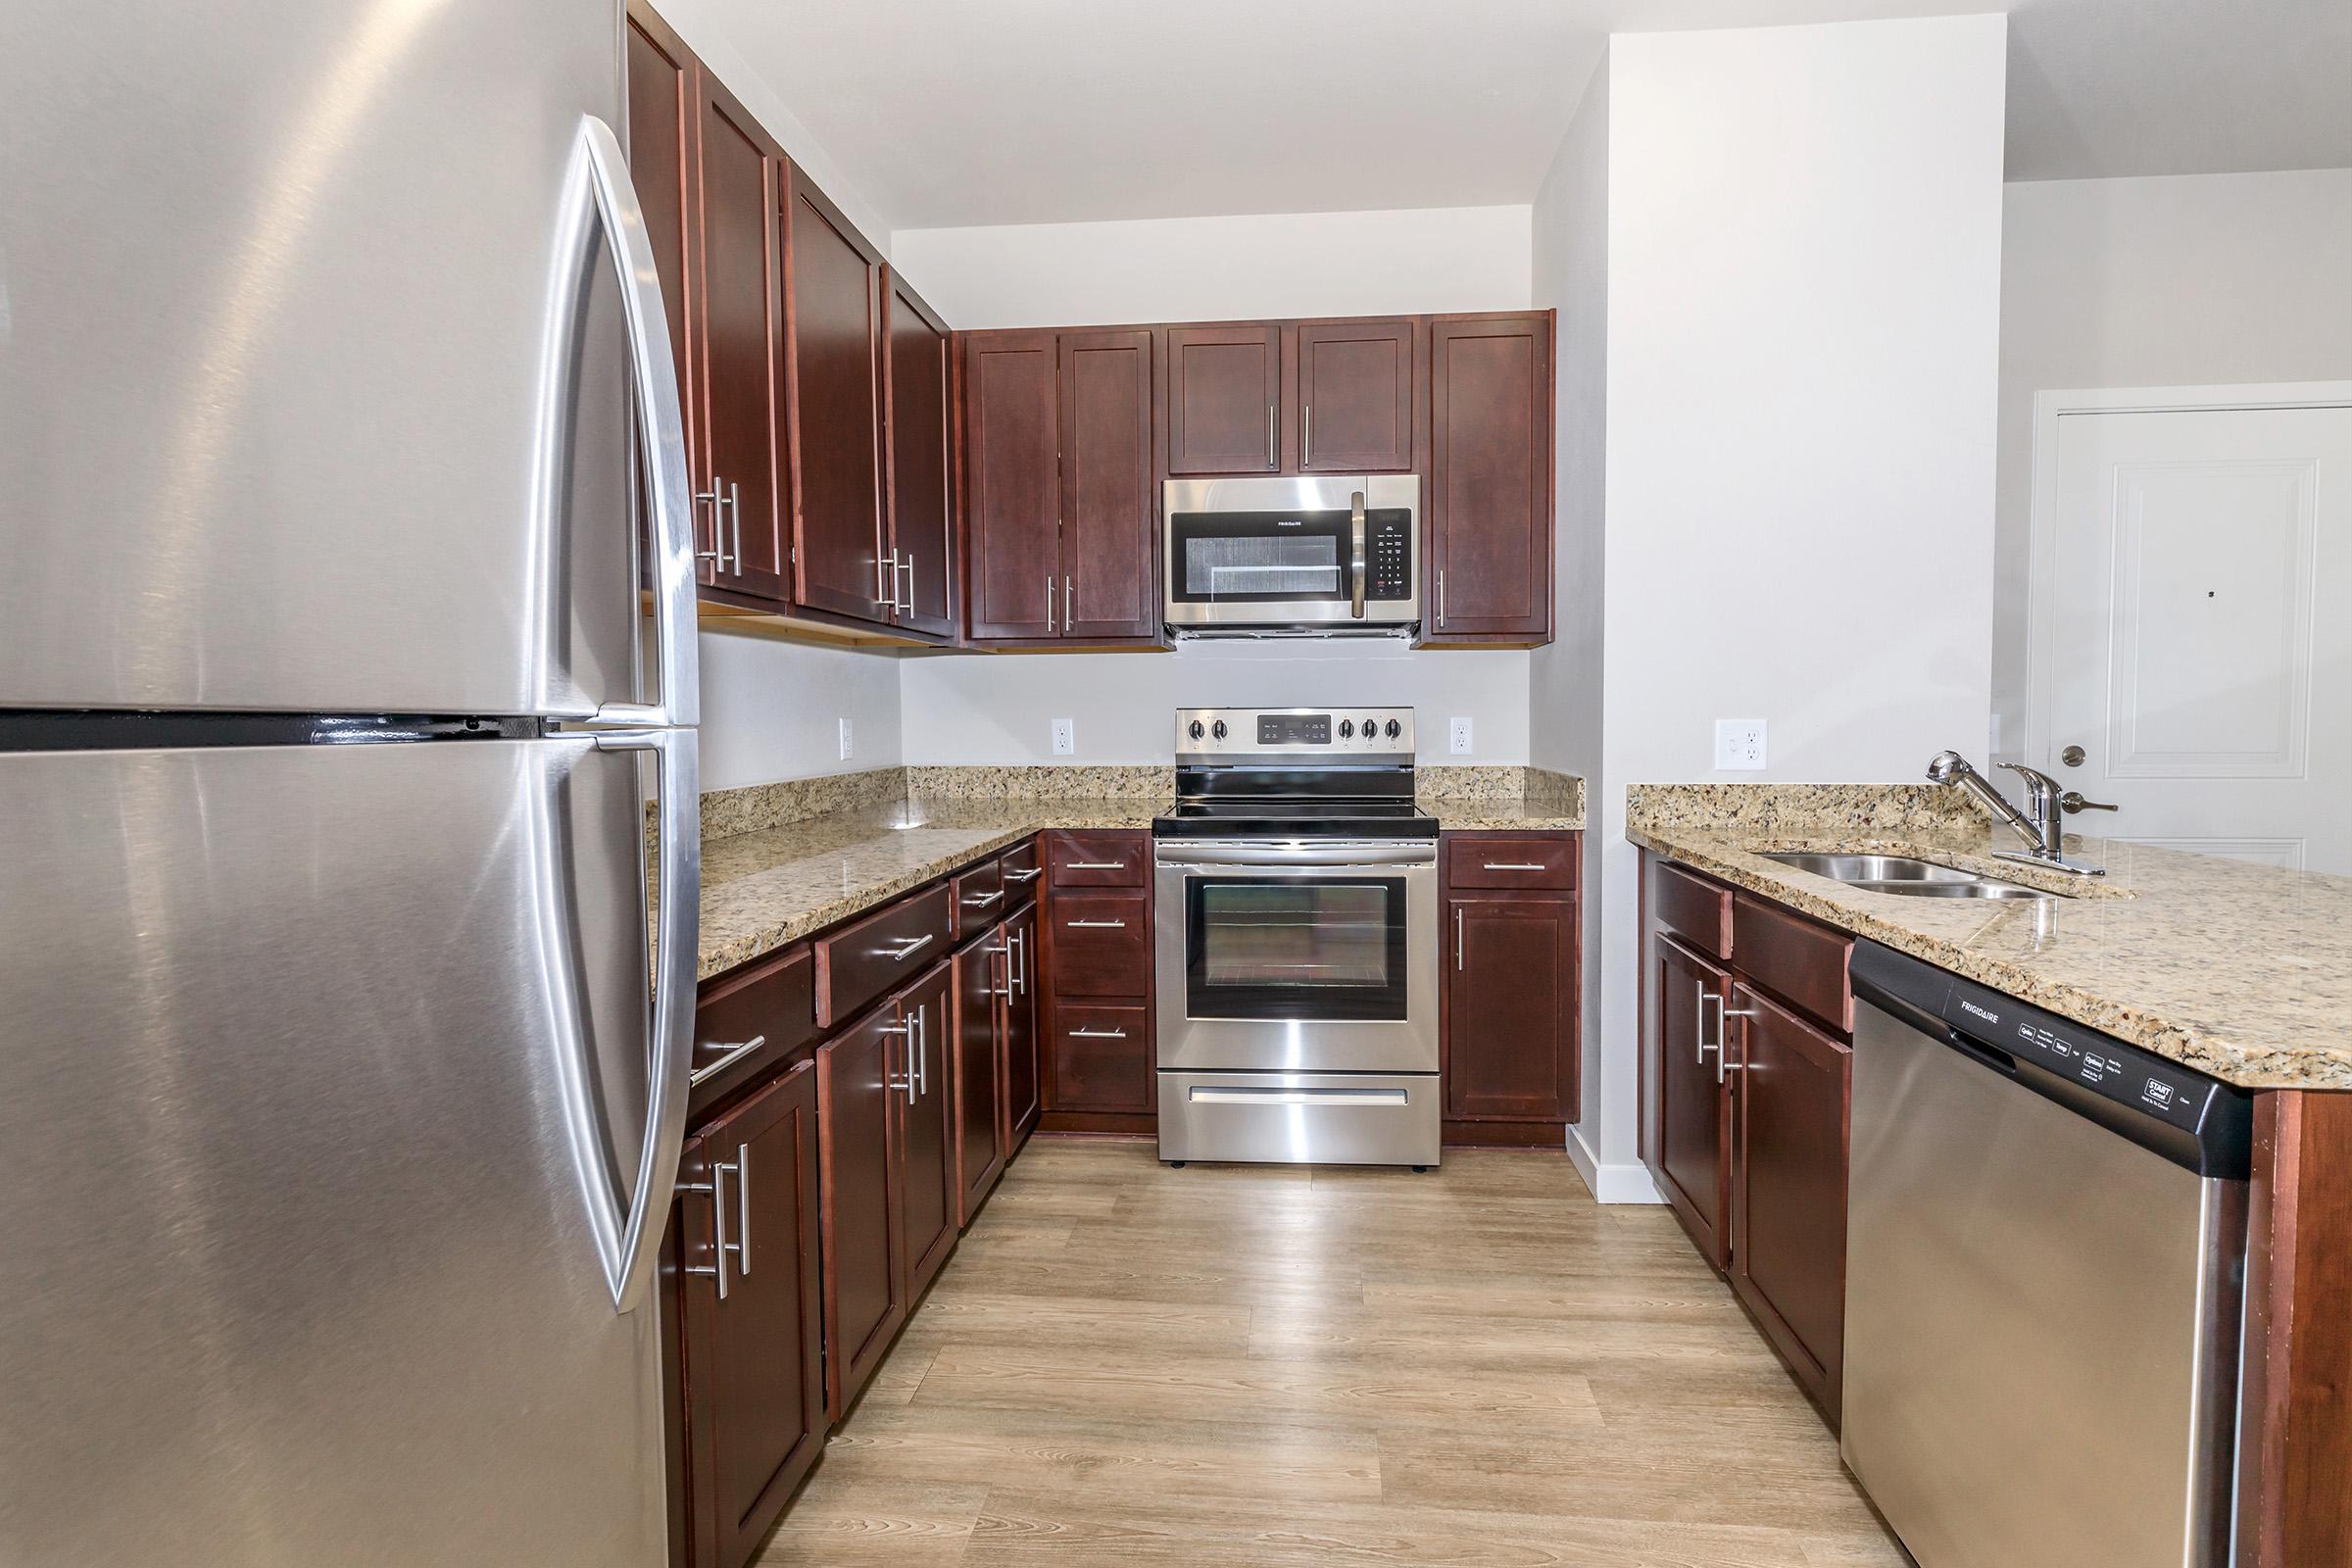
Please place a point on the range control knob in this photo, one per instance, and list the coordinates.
(1217, 729)
(1346, 730)
(1395, 729)
(1195, 729)
(1371, 726)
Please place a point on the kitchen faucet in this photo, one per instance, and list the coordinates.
(2039, 825)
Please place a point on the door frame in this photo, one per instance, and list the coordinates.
(2050, 407)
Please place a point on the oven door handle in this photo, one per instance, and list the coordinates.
(1267, 858)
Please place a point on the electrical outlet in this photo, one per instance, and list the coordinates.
(1457, 737)
(1738, 744)
(845, 740)
(1066, 737)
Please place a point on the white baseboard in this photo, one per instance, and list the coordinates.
(1611, 1183)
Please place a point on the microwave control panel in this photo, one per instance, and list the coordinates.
(1389, 555)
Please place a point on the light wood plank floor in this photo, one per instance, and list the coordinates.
(1127, 1364)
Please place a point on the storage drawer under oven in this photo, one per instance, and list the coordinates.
(1299, 1118)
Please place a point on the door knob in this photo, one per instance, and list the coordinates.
(2071, 756)
(2072, 802)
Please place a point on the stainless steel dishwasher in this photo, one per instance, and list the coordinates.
(2046, 1262)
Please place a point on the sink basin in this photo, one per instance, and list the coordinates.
(1904, 876)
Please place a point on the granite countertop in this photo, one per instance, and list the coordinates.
(763, 889)
(2238, 970)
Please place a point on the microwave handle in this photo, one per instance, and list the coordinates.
(1356, 537)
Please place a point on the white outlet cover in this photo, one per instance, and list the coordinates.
(845, 740)
(1066, 737)
(1457, 737)
(1739, 744)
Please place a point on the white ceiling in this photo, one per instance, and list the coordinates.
(956, 112)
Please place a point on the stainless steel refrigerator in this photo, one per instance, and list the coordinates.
(347, 604)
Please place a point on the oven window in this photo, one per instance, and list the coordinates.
(1305, 568)
(1286, 947)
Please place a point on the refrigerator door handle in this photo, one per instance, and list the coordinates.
(609, 203)
(631, 1242)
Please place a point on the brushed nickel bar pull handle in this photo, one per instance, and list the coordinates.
(1093, 925)
(1306, 440)
(910, 948)
(1092, 865)
(735, 519)
(717, 1187)
(904, 1029)
(743, 1208)
(1022, 877)
(1048, 604)
(922, 1049)
(1441, 596)
(1273, 441)
(1098, 1034)
(718, 501)
(1457, 938)
(1723, 1042)
(1516, 866)
(1066, 621)
(735, 1053)
(1002, 951)
(1020, 964)
(984, 901)
(1698, 1027)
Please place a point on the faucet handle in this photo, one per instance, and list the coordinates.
(2041, 790)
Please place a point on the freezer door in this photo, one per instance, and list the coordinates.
(327, 1099)
(318, 345)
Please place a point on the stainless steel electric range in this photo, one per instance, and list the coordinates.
(1296, 919)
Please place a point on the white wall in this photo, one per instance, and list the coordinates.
(1001, 709)
(1210, 268)
(772, 710)
(1570, 274)
(1803, 279)
(2179, 281)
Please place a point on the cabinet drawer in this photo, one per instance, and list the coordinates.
(1691, 907)
(1101, 1057)
(888, 947)
(978, 894)
(1101, 945)
(755, 1017)
(1546, 860)
(1019, 869)
(1802, 963)
(1097, 859)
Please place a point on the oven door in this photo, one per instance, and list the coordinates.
(1297, 957)
(1292, 552)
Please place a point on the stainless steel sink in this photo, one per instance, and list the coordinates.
(1904, 876)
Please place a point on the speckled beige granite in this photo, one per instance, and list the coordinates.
(727, 812)
(1072, 782)
(2241, 972)
(762, 890)
(1493, 798)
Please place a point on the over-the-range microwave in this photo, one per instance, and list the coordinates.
(1306, 555)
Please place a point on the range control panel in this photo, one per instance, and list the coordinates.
(1246, 734)
(2110, 1068)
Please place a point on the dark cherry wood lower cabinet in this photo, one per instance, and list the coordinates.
(927, 1130)
(865, 1257)
(1509, 998)
(751, 1316)
(983, 968)
(1692, 1113)
(1022, 1085)
(1788, 1188)
(1095, 1025)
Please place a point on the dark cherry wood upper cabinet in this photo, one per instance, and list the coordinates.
(1355, 397)
(920, 436)
(742, 479)
(1012, 565)
(1109, 579)
(665, 111)
(833, 325)
(865, 1255)
(1688, 1147)
(926, 1109)
(752, 1345)
(1223, 397)
(1022, 1091)
(1788, 1188)
(1510, 1027)
(1490, 480)
(983, 970)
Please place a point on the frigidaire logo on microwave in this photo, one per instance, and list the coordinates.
(1287, 523)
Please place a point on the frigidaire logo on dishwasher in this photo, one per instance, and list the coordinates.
(1985, 1014)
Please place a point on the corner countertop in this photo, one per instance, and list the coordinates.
(763, 889)
(2238, 970)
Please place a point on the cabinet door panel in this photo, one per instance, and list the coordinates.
(922, 519)
(866, 1283)
(1694, 1109)
(753, 1358)
(834, 325)
(663, 110)
(1511, 1009)
(1023, 1089)
(927, 1130)
(981, 974)
(1111, 583)
(1355, 397)
(1788, 1188)
(742, 331)
(1012, 572)
(1490, 437)
(1223, 397)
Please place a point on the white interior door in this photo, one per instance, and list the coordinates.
(2200, 673)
